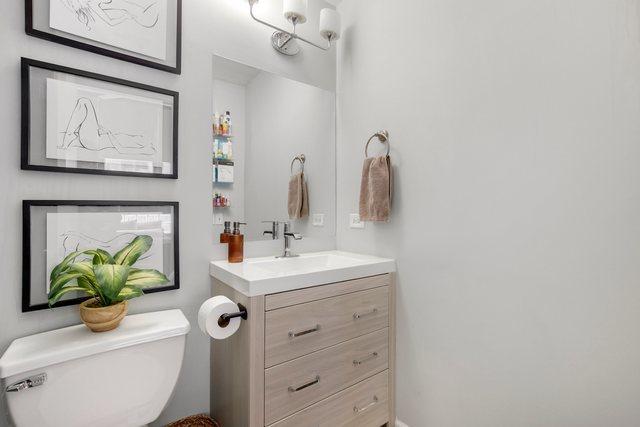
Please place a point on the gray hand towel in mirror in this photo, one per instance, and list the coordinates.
(298, 202)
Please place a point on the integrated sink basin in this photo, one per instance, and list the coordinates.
(268, 275)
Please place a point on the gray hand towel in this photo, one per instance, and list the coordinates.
(298, 202)
(375, 189)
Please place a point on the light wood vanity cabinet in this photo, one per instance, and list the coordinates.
(320, 356)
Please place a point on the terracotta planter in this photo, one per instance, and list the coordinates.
(102, 319)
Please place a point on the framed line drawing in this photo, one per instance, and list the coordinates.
(144, 32)
(81, 122)
(53, 229)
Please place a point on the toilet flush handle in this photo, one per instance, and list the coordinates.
(34, 381)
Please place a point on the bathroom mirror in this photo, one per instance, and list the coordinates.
(266, 128)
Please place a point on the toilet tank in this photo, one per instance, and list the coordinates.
(74, 377)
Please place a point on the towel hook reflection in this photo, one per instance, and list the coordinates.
(383, 137)
(301, 158)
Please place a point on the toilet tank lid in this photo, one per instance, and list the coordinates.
(61, 345)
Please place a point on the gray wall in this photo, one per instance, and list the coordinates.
(210, 26)
(515, 132)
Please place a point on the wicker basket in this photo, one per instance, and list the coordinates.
(202, 420)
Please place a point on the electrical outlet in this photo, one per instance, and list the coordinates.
(318, 220)
(354, 221)
(218, 219)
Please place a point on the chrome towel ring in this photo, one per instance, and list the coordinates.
(383, 137)
(301, 158)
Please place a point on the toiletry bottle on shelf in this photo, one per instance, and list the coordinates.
(236, 244)
(216, 124)
(224, 236)
(227, 123)
(223, 125)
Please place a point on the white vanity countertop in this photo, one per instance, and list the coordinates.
(269, 275)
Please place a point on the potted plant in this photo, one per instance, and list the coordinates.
(111, 281)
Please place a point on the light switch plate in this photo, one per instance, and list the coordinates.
(318, 220)
(354, 221)
(218, 219)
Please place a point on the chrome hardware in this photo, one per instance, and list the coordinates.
(275, 229)
(364, 408)
(303, 332)
(34, 381)
(302, 159)
(288, 234)
(383, 137)
(357, 362)
(293, 389)
(286, 42)
(357, 316)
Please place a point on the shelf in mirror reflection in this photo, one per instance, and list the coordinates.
(223, 162)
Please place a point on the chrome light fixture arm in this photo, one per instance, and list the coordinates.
(292, 34)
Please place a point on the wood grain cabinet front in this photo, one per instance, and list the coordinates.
(363, 405)
(294, 331)
(294, 385)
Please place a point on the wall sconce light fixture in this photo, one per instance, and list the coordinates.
(295, 11)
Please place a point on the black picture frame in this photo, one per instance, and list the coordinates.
(26, 245)
(177, 69)
(27, 64)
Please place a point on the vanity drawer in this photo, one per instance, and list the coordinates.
(294, 331)
(363, 405)
(294, 385)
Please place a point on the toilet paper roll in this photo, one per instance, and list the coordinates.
(209, 313)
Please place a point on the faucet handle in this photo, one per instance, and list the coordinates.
(289, 233)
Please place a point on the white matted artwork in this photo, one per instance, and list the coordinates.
(135, 25)
(84, 123)
(111, 231)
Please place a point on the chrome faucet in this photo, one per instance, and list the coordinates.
(274, 229)
(288, 234)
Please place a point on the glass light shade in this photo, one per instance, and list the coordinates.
(295, 10)
(330, 24)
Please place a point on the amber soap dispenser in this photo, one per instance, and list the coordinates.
(236, 244)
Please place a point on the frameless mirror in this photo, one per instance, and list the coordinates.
(266, 130)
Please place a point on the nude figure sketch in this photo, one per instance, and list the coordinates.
(114, 12)
(85, 131)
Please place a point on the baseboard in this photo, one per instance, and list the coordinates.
(400, 423)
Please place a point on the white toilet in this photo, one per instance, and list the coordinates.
(73, 377)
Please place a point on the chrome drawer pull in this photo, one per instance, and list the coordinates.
(297, 334)
(293, 389)
(357, 316)
(364, 408)
(357, 362)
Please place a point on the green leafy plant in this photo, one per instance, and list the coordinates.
(109, 279)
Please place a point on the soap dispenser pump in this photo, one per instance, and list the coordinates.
(236, 244)
(224, 236)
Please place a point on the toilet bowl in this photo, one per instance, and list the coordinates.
(73, 377)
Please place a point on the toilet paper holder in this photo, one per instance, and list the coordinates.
(224, 319)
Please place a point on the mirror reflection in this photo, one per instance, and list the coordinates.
(273, 153)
